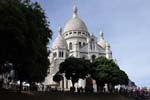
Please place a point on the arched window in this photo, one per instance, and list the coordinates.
(83, 43)
(59, 54)
(79, 44)
(70, 46)
(62, 54)
(93, 57)
(92, 45)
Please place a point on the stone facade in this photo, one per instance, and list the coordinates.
(75, 41)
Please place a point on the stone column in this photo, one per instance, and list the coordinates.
(64, 78)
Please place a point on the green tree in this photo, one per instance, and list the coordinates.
(12, 28)
(107, 71)
(58, 77)
(24, 35)
(75, 68)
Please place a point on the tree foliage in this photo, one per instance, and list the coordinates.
(75, 68)
(102, 70)
(107, 71)
(58, 77)
(24, 35)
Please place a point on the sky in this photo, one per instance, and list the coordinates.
(125, 23)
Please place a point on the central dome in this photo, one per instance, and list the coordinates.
(75, 23)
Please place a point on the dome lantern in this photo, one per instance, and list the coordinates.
(75, 11)
(101, 35)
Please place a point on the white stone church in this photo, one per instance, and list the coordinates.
(76, 41)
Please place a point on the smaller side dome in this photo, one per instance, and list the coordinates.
(59, 42)
(102, 42)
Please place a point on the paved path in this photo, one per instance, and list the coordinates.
(60, 96)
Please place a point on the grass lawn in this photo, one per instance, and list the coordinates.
(60, 96)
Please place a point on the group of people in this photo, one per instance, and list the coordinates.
(138, 93)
